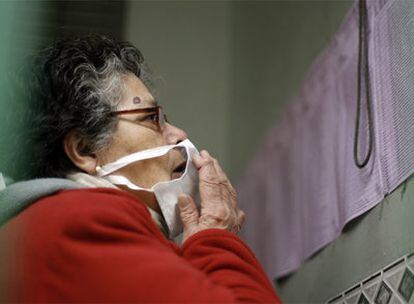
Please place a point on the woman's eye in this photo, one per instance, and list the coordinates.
(152, 117)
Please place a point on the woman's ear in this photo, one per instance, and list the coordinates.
(73, 147)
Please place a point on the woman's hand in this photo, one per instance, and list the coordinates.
(218, 200)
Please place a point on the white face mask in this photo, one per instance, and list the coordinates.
(166, 192)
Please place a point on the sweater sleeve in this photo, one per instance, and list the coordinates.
(85, 245)
(227, 261)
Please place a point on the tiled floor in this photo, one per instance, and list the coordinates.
(393, 284)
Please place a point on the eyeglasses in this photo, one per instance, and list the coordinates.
(155, 117)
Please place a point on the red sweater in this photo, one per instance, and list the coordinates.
(101, 245)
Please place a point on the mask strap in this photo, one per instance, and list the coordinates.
(141, 155)
(121, 180)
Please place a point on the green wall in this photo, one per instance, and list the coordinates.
(27, 26)
(19, 33)
(188, 45)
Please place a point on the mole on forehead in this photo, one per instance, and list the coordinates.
(138, 100)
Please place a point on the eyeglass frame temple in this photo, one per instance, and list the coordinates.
(159, 109)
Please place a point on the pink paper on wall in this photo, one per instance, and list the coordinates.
(303, 186)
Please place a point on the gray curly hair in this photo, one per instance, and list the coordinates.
(77, 85)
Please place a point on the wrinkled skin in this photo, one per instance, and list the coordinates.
(218, 197)
(218, 200)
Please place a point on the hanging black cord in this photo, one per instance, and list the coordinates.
(363, 68)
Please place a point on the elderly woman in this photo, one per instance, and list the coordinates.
(82, 236)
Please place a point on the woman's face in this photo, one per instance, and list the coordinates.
(138, 131)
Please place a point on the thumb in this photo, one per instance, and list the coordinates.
(188, 212)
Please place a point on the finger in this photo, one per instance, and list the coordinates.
(205, 154)
(220, 173)
(223, 175)
(237, 229)
(213, 191)
(228, 187)
(199, 160)
(238, 226)
(205, 166)
(188, 212)
(208, 159)
(224, 189)
(241, 217)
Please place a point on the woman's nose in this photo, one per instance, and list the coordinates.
(173, 135)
